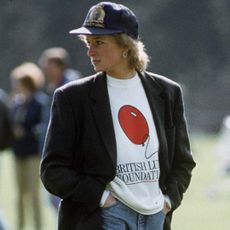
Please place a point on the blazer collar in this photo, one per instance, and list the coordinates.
(155, 96)
(154, 93)
(102, 114)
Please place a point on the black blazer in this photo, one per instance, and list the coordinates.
(79, 156)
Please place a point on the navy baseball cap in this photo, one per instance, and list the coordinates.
(107, 18)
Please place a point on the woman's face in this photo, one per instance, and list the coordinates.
(106, 55)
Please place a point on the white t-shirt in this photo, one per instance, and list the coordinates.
(137, 178)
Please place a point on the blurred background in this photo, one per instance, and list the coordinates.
(188, 41)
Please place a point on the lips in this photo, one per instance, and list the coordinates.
(95, 62)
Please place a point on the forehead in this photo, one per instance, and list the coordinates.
(99, 37)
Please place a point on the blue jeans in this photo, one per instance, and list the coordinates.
(121, 217)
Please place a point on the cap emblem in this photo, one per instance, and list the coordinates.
(96, 17)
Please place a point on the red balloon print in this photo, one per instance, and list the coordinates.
(133, 124)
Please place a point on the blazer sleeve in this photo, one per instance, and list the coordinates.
(57, 172)
(179, 176)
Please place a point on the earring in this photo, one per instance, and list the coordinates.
(124, 54)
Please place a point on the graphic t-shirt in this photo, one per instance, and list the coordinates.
(137, 175)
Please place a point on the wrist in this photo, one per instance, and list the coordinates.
(104, 197)
(168, 202)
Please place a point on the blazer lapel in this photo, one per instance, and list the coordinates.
(103, 117)
(102, 114)
(154, 94)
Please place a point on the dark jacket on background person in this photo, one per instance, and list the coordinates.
(27, 116)
(79, 157)
(5, 127)
(69, 75)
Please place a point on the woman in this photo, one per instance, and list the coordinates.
(117, 149)
(26, 110)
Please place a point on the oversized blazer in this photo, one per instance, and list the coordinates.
(79, 157)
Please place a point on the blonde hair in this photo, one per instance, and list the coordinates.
(28, 70)
(137, 57)
(136, 53)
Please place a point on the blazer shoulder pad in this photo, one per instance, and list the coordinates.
(82, 82)
(162, 80)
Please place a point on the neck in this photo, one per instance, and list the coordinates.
(122, 74)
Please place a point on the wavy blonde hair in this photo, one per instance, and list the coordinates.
(136, 53)
(138, 59)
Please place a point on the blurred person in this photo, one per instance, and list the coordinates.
(55, 63)
(3, 225)
(117, 148)
(5, 136)
(26, 111)
(5, 127)
(221, 152)
(222, 148)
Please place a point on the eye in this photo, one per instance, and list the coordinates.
(99, 42)
(95, 42)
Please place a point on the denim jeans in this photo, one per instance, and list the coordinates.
(121, 217)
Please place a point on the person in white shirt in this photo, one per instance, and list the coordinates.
(117, 150)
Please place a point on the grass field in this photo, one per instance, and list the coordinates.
(200, 210)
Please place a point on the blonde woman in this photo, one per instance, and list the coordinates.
(26, 111)
(117, 149)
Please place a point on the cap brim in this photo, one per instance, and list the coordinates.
(94, 31)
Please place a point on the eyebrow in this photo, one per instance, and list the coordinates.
(98, 37)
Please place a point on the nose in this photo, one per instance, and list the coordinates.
(90, 51)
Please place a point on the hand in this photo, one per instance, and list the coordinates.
(166, 208)
(109, 201)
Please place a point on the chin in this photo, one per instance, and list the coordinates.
(98, 69)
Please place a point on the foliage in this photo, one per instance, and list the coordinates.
(188, 41)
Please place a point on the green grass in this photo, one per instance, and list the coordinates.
(8, 198)
(200, 211)
(197, 212)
